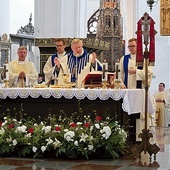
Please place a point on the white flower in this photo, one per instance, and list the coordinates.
(46, 129)
(57, 143)
(101, 124)
(43, 148)
(14, 142)
(76, 143)
(91, 128)
(4, 123)
(9, 139)
(83, 137)
(79, 123)
(69, 135)
(106, 132)
(49, 141)
(28, 135)
(21, 129)
(42, 123)
(65, 130)
(2, 131)
(34, 149)
(90, 147)
(97, 126)
(91, 138)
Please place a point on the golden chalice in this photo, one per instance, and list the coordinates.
(65, 79)
(6, 82)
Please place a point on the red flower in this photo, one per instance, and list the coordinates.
(87, 125)
(0, 124)
(30, 130)
(11, 126)
(57, 128)
(98, 118)
(72, 125)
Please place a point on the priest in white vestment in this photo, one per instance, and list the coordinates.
(22, 73)
(56, 65)
(133, 77)
(160, 97)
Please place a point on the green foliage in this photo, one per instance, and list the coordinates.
(80, 135)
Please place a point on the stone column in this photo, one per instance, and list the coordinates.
(60, 18)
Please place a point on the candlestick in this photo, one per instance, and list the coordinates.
(6, 71)
(117, 70)
(105, 71)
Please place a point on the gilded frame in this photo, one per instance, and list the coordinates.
(165, 17)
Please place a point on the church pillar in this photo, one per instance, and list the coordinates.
(56, 18)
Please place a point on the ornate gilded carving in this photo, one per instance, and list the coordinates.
(87, 42)
(165, 17)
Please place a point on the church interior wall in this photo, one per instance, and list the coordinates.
(4, 13)
(60, 18)
(19, 14)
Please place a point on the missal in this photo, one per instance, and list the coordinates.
(95, 77)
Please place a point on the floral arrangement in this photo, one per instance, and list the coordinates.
(61, 136)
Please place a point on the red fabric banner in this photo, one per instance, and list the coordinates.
(151, 34)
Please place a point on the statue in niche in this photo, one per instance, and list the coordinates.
(4, 37)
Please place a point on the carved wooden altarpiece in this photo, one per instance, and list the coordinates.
(165, 17)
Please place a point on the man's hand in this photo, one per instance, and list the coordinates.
(132, 70)
(112, 78)
(123, 86)
(57, 62)
(159, 100)
(22, 74)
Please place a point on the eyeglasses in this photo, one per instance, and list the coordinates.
(59, 45)
(131, 46)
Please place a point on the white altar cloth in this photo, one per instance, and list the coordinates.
(133, 99)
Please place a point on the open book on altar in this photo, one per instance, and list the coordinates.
(95, 77)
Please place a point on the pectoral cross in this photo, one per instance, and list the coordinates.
(5, 71)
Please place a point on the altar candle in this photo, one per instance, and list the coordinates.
(6, 71)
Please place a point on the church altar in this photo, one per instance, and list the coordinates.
(133, 100)
(39, 103)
